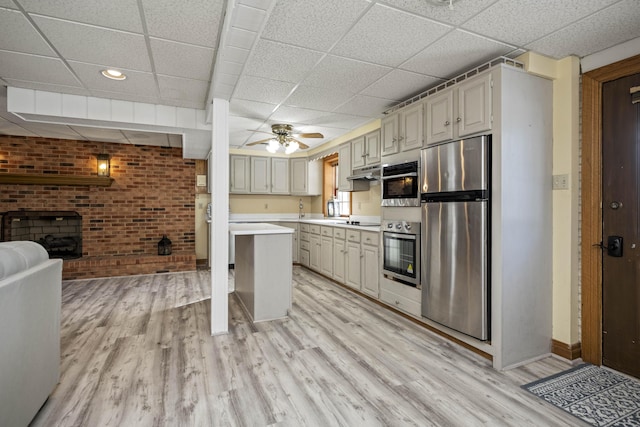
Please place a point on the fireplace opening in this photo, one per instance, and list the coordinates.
(59, 232)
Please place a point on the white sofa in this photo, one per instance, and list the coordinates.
(30, 303)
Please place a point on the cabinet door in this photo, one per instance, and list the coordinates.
(260, 174)
(326, 259)
(389, 135)
(339, 260)
(411, 128)
(474, 106)
(353, 275)
(279, 176)
(239, 174)
(372, 148)
(439, 113)
(358, 153)
(370, 267)
(315, 252)
(299, 169)
(344, 167)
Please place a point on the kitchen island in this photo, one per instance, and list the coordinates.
(263, 269)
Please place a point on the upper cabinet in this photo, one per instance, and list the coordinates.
(306, 177)
(260, 175)
(279, 175)
(365, 150)
(464, 109)
(345, 170)
(239, 168)
(402, 131)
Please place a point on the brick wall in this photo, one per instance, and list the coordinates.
(153, 194)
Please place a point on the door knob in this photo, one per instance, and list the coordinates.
(615, 205)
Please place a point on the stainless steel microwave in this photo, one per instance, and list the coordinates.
(400, 184)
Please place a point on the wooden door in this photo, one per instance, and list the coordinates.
(620, 226)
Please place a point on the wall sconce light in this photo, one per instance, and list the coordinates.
(103, 164)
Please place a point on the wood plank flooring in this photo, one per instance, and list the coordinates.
(137, 351)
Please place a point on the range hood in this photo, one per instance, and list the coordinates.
(367, 173)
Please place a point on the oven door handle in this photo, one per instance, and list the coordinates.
(400, 235)
(402, 175)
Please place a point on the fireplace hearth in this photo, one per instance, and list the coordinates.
(59, 232)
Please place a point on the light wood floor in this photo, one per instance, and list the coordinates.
(137, 351)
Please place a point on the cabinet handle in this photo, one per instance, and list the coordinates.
(367, 155)
(400, 138)
(447, 123)
(394, 139)
(459, 119)
(397, 302)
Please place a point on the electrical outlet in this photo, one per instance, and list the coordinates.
(560, 182)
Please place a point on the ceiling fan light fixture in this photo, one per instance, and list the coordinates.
(273, 146)
(113, 74)
(292, 147)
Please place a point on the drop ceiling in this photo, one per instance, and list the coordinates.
(324, 66)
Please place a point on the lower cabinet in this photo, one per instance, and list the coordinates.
(370, 268)
(339, 255)
(353, 273)
(402, 297)
(315, 252)
(326, 257)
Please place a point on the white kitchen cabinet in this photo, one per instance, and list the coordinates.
(370, 269)
(402, 130)
(339, 255)
(239, 174)
(260, 175)
(459, 111)
(304, 244)
(315, 252)
(365, 150)
(295, 238)
(306, 177)
(344, 170)
(353, 274)
(326, 257)
(279, 175)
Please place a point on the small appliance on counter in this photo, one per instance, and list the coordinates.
(333, 208)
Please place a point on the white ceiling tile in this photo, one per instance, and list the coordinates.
(7, 3)
(317, 98)
(193, 91)
(313, 24)
(344, 74)
(388, 36)
(54, 131)
(262, 90)
(251, 109)
(513, 21)
(281, 62)
(594, 33)
(146, 138)
(340, 121)
(118, 14)
(99, 46)
(196, 24)
(462, 10)
(400, 85)
(240, 38)
(46, 86)
(248, 18)
(137, 82)
(35, 68)
(171, 58)
(455, 53)
(20, 36)
(295, 115)
(367, 106)
(9, 128)
(241, 129)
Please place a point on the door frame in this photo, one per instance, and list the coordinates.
(591, 194)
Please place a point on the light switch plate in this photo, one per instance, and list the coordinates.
(561, 182)
(201, 180)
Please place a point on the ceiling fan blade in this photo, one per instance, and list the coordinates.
(310, 135)
(262, 141)
(301, 144)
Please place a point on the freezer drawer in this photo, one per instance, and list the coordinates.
(455, 266)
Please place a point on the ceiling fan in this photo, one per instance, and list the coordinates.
(283, 136)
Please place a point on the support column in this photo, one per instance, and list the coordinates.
(219, 237)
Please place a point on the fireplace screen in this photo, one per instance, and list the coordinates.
(59, 232)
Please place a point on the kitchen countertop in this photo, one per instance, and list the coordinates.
(342, 223)
(257, 228)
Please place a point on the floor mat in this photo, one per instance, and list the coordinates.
(598, 396)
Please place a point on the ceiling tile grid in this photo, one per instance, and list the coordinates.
(23, 37)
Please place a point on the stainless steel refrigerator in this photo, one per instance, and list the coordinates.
(455, 191)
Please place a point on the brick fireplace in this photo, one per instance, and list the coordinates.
(152, 194)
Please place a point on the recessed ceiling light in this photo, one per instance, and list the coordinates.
(113, 74)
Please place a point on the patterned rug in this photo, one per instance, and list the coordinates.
(595, 395)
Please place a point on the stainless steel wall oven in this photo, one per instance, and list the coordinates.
(400, 184)
(401, 251)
